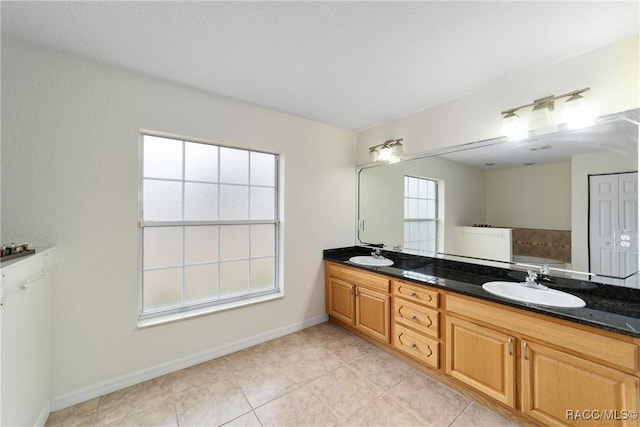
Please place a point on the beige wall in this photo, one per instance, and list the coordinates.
(612, 72)
(70, 130)
(536, 196)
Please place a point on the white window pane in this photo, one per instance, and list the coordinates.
(414, 230)
(432, 189)
(234, 242)
(200, 201)
(407, 231)
(263, 169)
(262, 203)
(413, 187)
(262, 274)
(234, 278)
(234, 166)
(162, 246)
(200, 283)
(431, 209)
(201, 244)
(201, 162)
(162, 158)
(423, 234)
(162, 200)
(234, 202)
(162, 289)
(413, 208)
(432, 229)
(422, 208)
(406, 186)
(263, 240)
(422, 188)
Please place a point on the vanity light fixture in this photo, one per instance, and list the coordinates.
(389, 151)
(576, 115)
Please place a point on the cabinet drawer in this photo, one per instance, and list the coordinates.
(359, 277)
(417, 294)
(416, 345)
(608, 349)
(416, 316)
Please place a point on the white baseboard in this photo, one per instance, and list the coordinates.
(44, 414)
(114, 384)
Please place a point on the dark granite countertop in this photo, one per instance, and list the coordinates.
(611, 308)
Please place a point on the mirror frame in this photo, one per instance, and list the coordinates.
(631, 116)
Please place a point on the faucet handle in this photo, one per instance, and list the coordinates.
(545, 270)
(531, 277)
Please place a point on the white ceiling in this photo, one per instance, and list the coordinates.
(350, 64)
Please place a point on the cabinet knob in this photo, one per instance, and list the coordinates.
(412, 345)
(413, 294)
(413, 317)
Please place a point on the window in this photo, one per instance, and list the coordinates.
(209, 225)
(420, 213)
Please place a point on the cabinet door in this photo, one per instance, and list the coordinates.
(481, 358)
(373, 312)
(340, 299)
(560, 389)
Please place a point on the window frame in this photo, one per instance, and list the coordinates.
(188, 310)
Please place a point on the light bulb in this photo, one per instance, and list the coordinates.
(513, 127)
(577, 113)
(385, 153)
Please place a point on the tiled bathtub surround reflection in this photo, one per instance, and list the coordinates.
(550, 244)
(321, 376)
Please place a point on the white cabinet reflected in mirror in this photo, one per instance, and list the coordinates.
(568, 199)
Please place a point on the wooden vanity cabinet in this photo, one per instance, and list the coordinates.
(483, 358)
(359, 299)
(563, 369)
(417, 322)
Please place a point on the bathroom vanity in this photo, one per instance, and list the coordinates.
(553, 366)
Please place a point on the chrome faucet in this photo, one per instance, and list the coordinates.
(530, 281)
(376, 254)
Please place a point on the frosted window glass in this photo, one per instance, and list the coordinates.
(162, 200)
(234, 166)
(201, 283)
(424, 231)
(262, 240)
(413, 187)
(201, 162)
(262, 274)
(413, 208)
(414, 230)
(162, 246)
(162, 289)
(406, 186)
(234, 278)
(262, 203)
(432, 189)
(162, 158)
(263, 169)
(200, 201)
(201, 244)
(422, 188)
(431, 209)
(422, 208)
(234, 242)
(234, 202)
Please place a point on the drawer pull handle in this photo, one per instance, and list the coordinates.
(510, 346)
(525, 350)
(413, 294)
(413, 317)
(414, 346)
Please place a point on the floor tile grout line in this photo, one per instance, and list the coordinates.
(460, 414)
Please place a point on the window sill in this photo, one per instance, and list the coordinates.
(174, 317)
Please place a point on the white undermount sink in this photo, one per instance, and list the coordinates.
(371, 261)
(547, 297)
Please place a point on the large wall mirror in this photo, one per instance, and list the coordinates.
(568, 199)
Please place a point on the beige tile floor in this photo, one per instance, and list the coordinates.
(321, 376)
